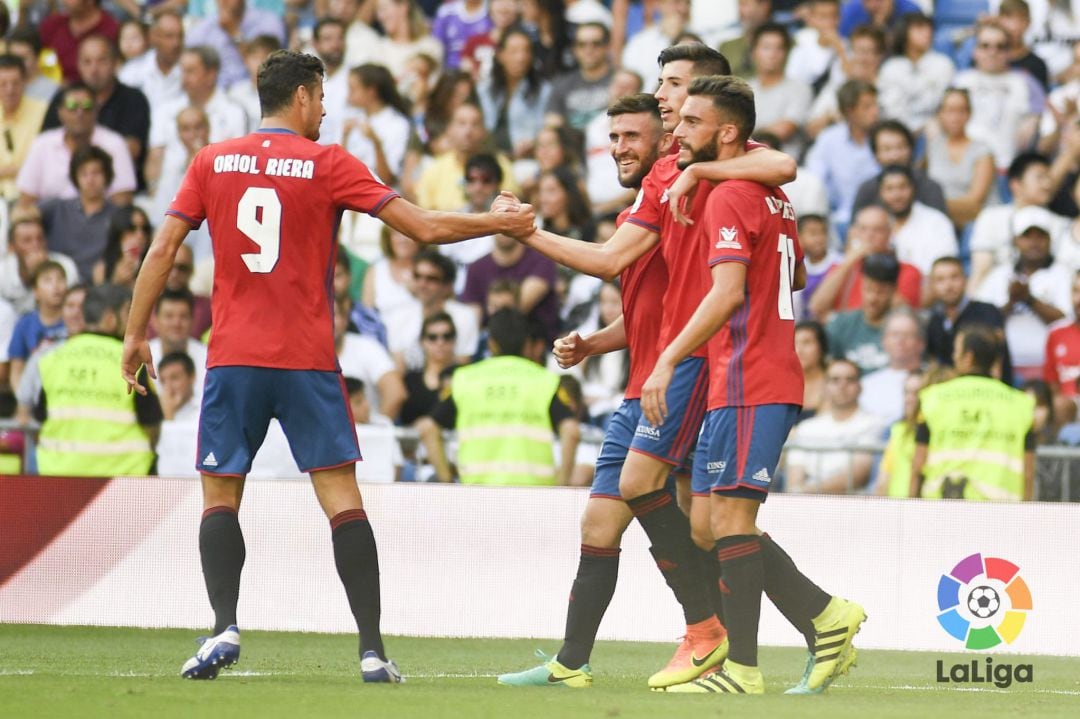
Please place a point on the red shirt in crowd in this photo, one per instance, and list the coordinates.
(1062, 367)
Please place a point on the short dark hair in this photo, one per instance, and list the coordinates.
(44, 267)
(353, 386)
(1022, 162)
(435, 319)
(871, 32)
(485, 162)
(908, 21)
(803, 219)
(433, 257)
(881, 267)
(896, 170)
(180, 358)
(86, 155)
(639, 102)
(984, 344)
(894, 126)
(509, 329)
(847, 97)
(208, 56)
(706, 61)
(820, 336)
(101, 299)
(27, 36)
(181, 295)
(266, 43)
(325, 22)
(23, 219)
(769, 139)
(75, 87)
(12, 62)
(112, 47)
(281, 74)
(597, 25)
(771, 28)
(732, 96)
(948, 260)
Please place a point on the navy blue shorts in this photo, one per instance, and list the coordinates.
(238, 403)
(686, 399)
(739, 450)
(617, 440)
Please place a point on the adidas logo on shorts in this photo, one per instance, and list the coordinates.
(762, 475)
(210, 460)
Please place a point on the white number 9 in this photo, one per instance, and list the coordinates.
(265, 231)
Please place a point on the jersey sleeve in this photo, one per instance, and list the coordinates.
(725, 229)
(646, 209)
(189, 204)
(354, 187)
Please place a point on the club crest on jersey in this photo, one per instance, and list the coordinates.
(729, 239)
(778, 206)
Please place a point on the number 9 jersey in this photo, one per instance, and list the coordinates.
(273, 201)
(752, 360)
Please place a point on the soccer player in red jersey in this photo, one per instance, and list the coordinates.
(273, 200)
(1062, 368)
(747, 320)
(655, 451)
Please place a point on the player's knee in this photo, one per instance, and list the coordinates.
(604, 522)
(641, 475)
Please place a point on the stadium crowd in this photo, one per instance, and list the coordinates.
(938, 187)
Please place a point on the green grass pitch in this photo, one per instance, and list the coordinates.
(67, 672)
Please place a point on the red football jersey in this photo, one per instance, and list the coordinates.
(1063, 358)
(752, 360)
(643, 285)
(273, 201)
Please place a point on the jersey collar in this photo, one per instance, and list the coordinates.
(277, 131)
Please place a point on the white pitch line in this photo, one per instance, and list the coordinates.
(16, 672)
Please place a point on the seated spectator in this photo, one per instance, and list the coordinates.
(157, 72)
(29, 387)
(478, 54)
(817, 45)
(515, 96)
(245, 93)
(921, 234)
(912, 83)
(25, 44)
(752, 15)
(78, 227)
(783, 103)
(601, 174)
(176, 388)
(893, 144)
(882, 14)
(173, 314)
(388, 282)
(127, 241)
(457, 22)
(61, 32)
(382, 452)
(1033, 294)
(1067, 245)
(991, 238)
(432, 293)
(819, 258)
(1062, 368)
(26, 250)
(361, 40)
(179, 280)
(483, 177)
(193, 129)
(546, 19)
(22, 116)
(952, 310)
(807, 193)
(812, 347)
(962, 166)
(855, 335)
(45, 324)
(555, 147)
(328, 44)
(425, 384)
(841, 156)
(1015, 17)
(841, 289)
(904, 341)
(563, 205)
(405, 35)
(580, 95)
(534, 273)
(641, 50)
(380, 137)
(861, 62)
(46, 173)
(234, 23)
(368, 361)
(827, 465)
(1044, 426)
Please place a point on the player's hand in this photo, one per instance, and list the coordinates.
(654, 393)
(505, 202)
(520, 223)
(136, 355)
(570, 350)
(681, 196)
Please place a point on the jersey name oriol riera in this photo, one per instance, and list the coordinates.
(275, 167)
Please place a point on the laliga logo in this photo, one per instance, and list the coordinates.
(983, 602)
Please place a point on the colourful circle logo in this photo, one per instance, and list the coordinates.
(983, 602)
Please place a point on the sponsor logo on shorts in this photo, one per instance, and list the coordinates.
(210, 460)
(647, 432)
(762, 475)
(716, 467)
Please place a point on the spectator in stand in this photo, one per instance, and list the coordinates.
(841, 289)
(388, 282)
(45, 324)
(21, 117)
(894, 474)
(1015, 17)
(1032, 294)
(245, 93)
(641, 50)
(580, 95)
(382, 452)
(361, 40)
(179, 280)
(328, 44)
(406, 35)
(783, 103)
(991, 238)
(381, 135)
(555, 147)
(752, 15)
(478, 55)
(173, 314)
(427, 384)
(25, 44)
(841, 425)
(546, 19)
(921, 234)
(842, 157)
(904, 341)
(193, 130)
(818, 45)
(1067, 246)
(515, 97)
(564, 205)
(962, 166)
(63, 31)
(127, 239)
(812, 347)
(176, 388)
(456, 23)
(234, 24)
(132, 42)
(29, 387)
(1062, 369)
(1000, 97)
(483, 178)
(1043, 426)
(819, 258)
(533, 272)
(8, 318)
(601, 174)
(78, 227)
(27, 249)
(861, 62)
(893, 144)
(368, 361)
(604, 376)
(432, 292)
(855, 335)
(952, 310)
(912, 83)
(807, 192)
(433, 111)
(157, 73)
(46, 172)
(882, 14)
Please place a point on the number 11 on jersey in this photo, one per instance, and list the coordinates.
(784, 305)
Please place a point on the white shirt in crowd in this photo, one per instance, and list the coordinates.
(883, 393)
(826, 432)
(808, 61)
(926, 235)
(601, 176)
(228, 119)
(393, 130)
(196, 350)
(911, 91)
(144, 74)
(992, 232)
(403, 331)
(365, 359)
(999, 102)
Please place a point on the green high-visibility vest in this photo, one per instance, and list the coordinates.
(504, 423)
(899, 454)
(977, 431)
(91, 429)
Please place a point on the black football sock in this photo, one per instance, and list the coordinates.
(797, 598)
(221, 548)
(744, 575)
(357, 561)
(598, 571)
(675, 553)
(710, 570)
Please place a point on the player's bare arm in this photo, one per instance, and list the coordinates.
(148, 287)
(432, 227)
(604, 260)
(762, 165)
(573, 348)
(725, 296)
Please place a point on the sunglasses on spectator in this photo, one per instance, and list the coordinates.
(590, 43)
(440, 337)
(184, 267)
(481, 179)
(73, 105)
(993, 46)
(420, 277)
